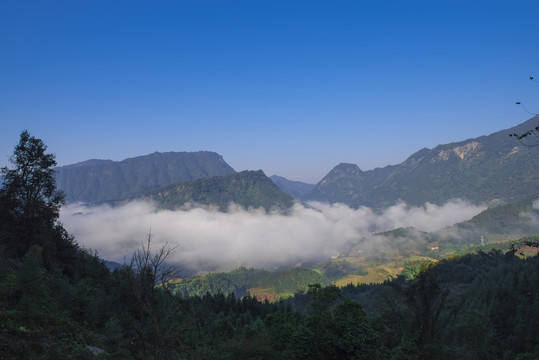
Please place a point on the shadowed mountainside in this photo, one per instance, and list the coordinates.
(293, 188)
(95, 181)
(246, 188)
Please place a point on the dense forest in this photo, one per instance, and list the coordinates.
(59, 301)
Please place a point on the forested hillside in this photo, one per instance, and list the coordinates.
(271, 285)
(488, 168)
(59, 301)
(478, 306)
(246, 188)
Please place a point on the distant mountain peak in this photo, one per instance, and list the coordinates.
(479, 170)
(95, 181)
(340, 171)
(352, 168)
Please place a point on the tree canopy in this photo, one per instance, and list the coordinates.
(29, 201)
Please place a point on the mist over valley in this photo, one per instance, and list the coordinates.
(207, 239)
(276, 180)
(218, 219)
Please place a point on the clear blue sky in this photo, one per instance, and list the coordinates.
(290, 87)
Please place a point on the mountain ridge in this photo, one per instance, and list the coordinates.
(488, 168)
(249, 189)
(95, 181)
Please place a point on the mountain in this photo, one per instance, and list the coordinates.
(521, 217)
(295, 189)
(95, 181)
(493, 168)
(246, 188)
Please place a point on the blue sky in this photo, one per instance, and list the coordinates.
(290, 87)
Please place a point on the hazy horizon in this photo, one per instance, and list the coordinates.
(290, 87)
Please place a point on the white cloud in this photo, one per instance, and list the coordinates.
(210, 240)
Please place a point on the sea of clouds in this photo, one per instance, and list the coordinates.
(208, 240)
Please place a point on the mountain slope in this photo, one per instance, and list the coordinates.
(246, 188)
(96, 181)
(487, 168)
(261, 283)
(293, 188)
(519, 218)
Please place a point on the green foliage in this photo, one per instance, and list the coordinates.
(238, 282)
(29, 201)
(247, 189)
(59, 301)
(336, 269)
(356, 339)
(471, 307)
(414, 266)
(333, 330)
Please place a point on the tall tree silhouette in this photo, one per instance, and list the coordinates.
(29, 201)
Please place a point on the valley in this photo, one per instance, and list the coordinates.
(354, 268)
(381, 242)
(233, 260)
(269, 180)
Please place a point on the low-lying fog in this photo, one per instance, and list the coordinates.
(209, 240)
